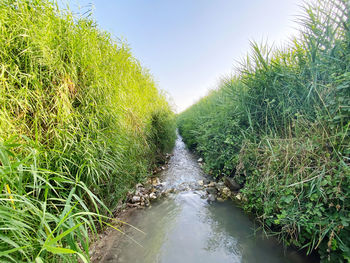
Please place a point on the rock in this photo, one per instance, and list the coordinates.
(138, 186)
(219, 199)
(225, 193)
(158, 186)
(211, 198)
(220, 185)
(168, 191)
(135, 199)
(206, 181)
(200, 160)
(212, 190)
(152, 196)
(211, 184)
(200, 182)
(232, 184)
(238, 197)
(134, 205)
(155, 181)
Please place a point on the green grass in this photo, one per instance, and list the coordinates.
(281, 128)
(81, 121)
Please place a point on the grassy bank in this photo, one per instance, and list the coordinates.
(80, 123)
(280, 127)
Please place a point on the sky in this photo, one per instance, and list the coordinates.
(189, 45)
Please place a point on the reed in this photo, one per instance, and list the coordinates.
(81, 121)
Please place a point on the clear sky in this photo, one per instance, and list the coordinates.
(188, 45)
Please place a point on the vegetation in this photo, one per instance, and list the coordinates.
(80, 123)
(281, 128)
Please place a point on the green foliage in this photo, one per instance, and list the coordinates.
(282, 127)
(80, 123)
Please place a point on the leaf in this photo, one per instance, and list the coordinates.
(83, 258)
(6, 252)
(59, 250)
(59, 237)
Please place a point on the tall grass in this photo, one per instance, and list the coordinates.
(281, 128)
(80, 123)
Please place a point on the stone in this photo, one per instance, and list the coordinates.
(212, 190)
(220, 185)
(225, 193)
(206, 181)
(219, 199)
(155, 181)
(152, 196)
(211, 198)
(135, 199)
(211, 184)
(200, 160)
(232, 184)
(238, 197)
(200, 182)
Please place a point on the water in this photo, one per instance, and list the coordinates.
(186, 228)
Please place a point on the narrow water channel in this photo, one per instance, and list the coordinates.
(185, 228)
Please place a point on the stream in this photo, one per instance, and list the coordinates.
(185, 227)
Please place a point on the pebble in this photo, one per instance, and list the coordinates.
(211, 198)
(136, 199)
(152, 196)
(211, 184)
(212, 190)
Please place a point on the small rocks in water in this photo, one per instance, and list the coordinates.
(219, 199)
(206, 181)
(220, 185)
(136, 199)
(238, 197)
(232, 184)
(225, 193)
(152, 196)
(200, 160)
(168, 191)
(200, 182)
(211, 184)
(212, 190)
(155, 181)
(211, 198)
